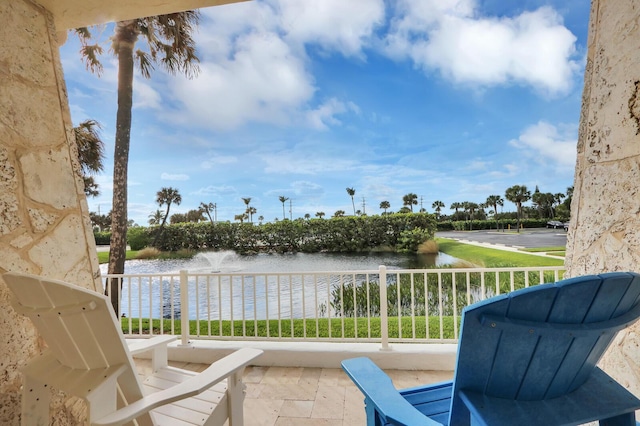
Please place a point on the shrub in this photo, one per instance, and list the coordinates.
(138, 238)
(103, 238)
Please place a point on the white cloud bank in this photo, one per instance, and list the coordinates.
(452, 37)
(255, 66)
(548, 143)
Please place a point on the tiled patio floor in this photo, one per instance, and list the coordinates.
(278, 396)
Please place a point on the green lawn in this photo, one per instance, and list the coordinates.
(103, 256)
(493, 258)
(296, 328)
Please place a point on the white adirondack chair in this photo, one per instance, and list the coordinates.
(88, 357)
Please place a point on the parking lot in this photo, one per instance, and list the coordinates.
(526, 238)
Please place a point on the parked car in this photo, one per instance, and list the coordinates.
(555, 224)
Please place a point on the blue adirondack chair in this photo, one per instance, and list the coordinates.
(525, 358)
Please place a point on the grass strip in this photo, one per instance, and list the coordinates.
(103, 256)
(493, 258)
(543, 249)
(301, 328)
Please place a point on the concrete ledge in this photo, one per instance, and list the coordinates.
(400, 356)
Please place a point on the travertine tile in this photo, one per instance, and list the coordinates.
(296, 408)
(282, 375)
(288, 421)
(353, 413)
(288, 391)
(329, 402)
(261, 412)
(334, 377)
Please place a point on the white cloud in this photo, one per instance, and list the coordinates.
(177, 177)
(334, 25)
(217, 160)
(324, 115)
(213, 190)
(145, 96)
(546, 142)
(533, 48)
(262, 81)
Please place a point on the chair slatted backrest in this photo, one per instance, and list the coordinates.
(77, 324)
(544, 341)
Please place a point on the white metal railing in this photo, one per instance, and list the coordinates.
(413, 306)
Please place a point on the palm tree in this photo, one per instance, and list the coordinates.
(260, 219)
(170, 44)
(90, 153)
(168, 196)
(307, 216)
(320, 214)
(494, 201)
(339, 213)
(246, 203)
(471, 209)
(207, 208)
(410, 200)
(156, 217)
(385, 205)
(351, 193)
(251, 211)
(437, 205)
(283, 200)
(518, 194)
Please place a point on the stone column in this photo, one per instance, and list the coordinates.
(44, 227)
(605, 212)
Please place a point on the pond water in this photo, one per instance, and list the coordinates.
(230, 262)
(246, 291)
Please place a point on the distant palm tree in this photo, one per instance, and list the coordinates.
(470, 208)
(260, 219)
(352, 193)
(156, 217)
(494, 201)
(90, 154)
(207, 208)
(240, 217)
(385, 205)
(283, 200)
(251, 211)
(320, 214)
(307, 216)
(410, 200)
(437, 205)
(247, 201)
(518, 194)
(168, 196)
(339, 213)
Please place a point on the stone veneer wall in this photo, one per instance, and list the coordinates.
(605, 212)
(44, 226)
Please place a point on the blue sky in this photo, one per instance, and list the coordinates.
(450, 100)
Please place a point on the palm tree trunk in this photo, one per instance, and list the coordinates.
(126, 35)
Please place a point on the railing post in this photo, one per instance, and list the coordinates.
(184, 307)
(384, 319)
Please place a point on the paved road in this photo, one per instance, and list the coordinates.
(528, 238)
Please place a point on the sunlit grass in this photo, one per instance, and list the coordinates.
(300, 328)
(493, 258)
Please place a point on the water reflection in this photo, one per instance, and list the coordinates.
(230, 262)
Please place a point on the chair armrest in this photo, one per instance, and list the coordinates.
(379, 390)
(215, 373)
(138, 346)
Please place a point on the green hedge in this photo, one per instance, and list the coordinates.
(463, 225)
(402, 232)
(102, 238)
